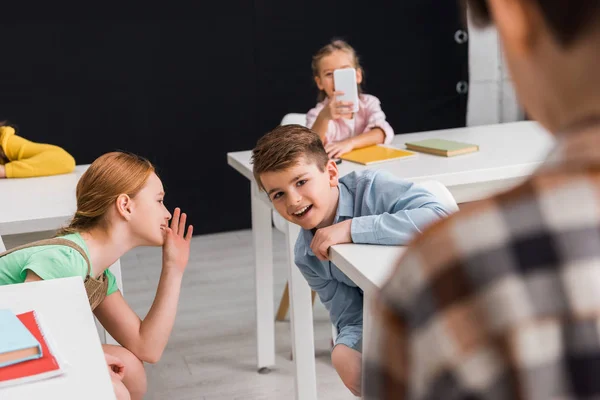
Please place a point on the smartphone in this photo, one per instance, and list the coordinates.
(344, 80)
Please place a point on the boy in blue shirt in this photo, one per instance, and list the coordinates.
(292, 167)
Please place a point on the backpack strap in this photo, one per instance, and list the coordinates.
(53, 242)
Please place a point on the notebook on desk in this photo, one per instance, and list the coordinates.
(17, 344)
(376, 154)
(47, 366)
(442, 147)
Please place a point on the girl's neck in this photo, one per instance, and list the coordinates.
(105, 247)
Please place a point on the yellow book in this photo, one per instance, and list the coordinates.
(376, 154)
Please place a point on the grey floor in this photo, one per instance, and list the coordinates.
(211, 354)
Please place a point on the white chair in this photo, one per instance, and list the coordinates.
(441, 192)
(294, 118)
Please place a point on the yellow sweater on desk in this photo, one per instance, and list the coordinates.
(28, 159)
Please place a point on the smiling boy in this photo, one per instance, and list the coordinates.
(292, 167)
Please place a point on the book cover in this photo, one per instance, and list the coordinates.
(442, 147)
(45, 367)
(376, 154)
(17, 344)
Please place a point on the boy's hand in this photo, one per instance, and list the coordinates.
(329, 236)
(336, 149)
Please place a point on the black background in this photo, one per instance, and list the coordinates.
(184, 92)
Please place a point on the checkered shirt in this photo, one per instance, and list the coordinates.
(502, 300)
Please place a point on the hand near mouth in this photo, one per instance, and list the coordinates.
(176, 249)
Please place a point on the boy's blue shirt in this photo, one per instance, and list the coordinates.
(384, 210)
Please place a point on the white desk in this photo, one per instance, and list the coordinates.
(369, 266)
(65, 312)
(38, 204)
(508, 153)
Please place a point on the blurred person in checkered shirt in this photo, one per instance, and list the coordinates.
(502, 300)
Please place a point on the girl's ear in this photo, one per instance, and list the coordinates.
(318, 82)
(124, 206)
(359, 75)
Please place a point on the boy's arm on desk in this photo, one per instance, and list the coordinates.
(399, 211)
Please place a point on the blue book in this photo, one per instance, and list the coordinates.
(17, 344)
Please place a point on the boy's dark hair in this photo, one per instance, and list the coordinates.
(283, 147)
(567, 19)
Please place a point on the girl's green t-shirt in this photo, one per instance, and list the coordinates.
(49, 262)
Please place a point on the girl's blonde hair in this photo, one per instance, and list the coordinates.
(333, 46)
(109, 176)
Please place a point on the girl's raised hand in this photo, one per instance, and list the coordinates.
(337, 109)
(176, 248)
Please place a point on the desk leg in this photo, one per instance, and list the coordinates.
(367, 329)
(301, 316)
(263, 257)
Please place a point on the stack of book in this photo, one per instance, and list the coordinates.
(26, 350)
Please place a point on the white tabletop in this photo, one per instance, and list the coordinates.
(38, 204)
(367, 265)
(506, 151)
(66, 315)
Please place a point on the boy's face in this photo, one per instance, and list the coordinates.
(302, 193)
